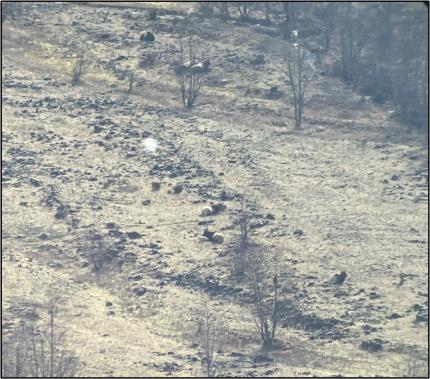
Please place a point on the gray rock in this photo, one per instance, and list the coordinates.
(133, 235)
(140, 291)
(178, 188)
(372, 346)
(135, 276)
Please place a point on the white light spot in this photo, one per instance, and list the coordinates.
(150, 145)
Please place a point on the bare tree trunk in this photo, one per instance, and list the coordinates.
(36, 363)
(51, 342)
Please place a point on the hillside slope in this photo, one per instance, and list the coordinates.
(353, 181)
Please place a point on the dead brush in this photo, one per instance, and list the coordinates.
(239, 262)
(212, 334)
(79, 68)
(189, 76)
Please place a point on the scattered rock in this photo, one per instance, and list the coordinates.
(139, 291)
(258, 224)
(368, 329)
(55, 265)
(298, 233)
(35, 183)
(108, 303)
(394, 316)
(340, 294)
(274, 93)
(178, 188)
(217, 238)
(395, 177)
(111, 225)
(262, 359)
(236, 354)
(338, 278)
(422, 316)
(62, 212)
(224, 196)
(135, 276)
(257, 59)
(146, 202)
(270, 216)
(133, 235)
(43, 237)
(116, 233)
(372, 346)
(156, 186)
(374, 295)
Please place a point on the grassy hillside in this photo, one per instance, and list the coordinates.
(348, 192)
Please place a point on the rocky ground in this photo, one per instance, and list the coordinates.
(348, 193)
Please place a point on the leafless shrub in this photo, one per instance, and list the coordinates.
(298, 81)
(244, 9)
(265, 288)
(212, 335)
(239, 262)
(417, 368)
(223, 10)
(206, 8)
(79, 68)
(29, 351)
(130, 82)
(96, 249)
(189, 75)
(105, 17)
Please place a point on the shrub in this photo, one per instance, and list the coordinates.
(189, 76)
(79, 68)
(265, 288)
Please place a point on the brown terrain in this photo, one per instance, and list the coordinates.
(348, 192)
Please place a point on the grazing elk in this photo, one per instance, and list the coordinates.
(147, 36)
(192, 68)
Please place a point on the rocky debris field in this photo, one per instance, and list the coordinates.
(347, 193)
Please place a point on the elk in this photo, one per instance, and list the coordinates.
(192, 68)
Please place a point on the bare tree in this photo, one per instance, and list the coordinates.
(189, 75)
(290, 21)
(352, 41)
(212, 334)
(223, 10)
(265, 289)
(30, 351)
(298, 80)
(244, 9)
